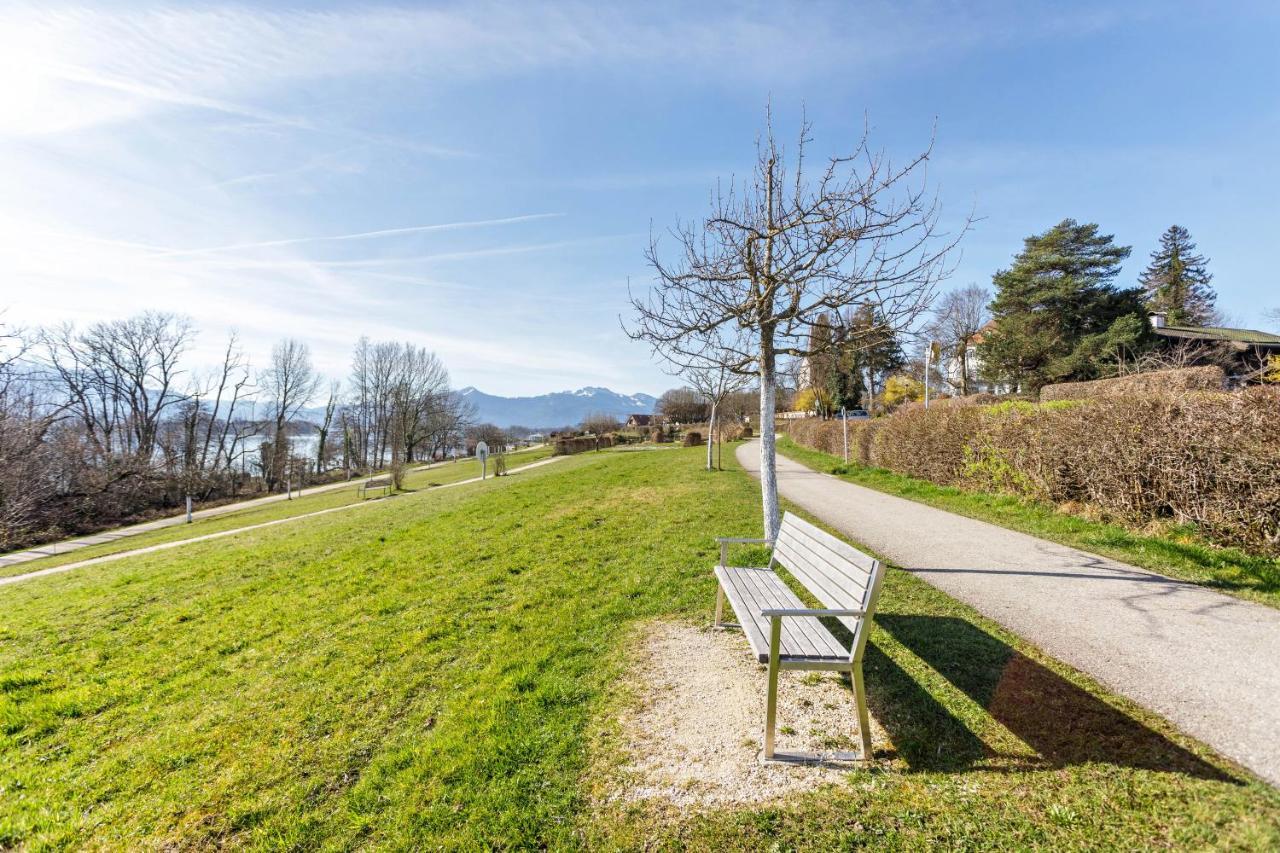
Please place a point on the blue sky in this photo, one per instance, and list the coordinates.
(481, 178)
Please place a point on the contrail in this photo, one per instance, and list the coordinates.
(363, 235)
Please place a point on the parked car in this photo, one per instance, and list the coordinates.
(856, 414)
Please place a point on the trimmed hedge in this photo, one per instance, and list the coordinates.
(1211, 459)
(1175, 381)
(580, 444)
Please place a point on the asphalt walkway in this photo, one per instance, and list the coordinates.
(1207, 662)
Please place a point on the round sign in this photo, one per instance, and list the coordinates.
(482, 451)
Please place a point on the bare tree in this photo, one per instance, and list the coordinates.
(121, 377)
(715, 382)
(599, 423)
(289, 383)
(682, 405)
(781, 250)
(326, 426)
(957, 318)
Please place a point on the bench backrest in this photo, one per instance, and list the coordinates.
(834, 572)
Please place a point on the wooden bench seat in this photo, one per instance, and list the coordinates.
(751, 592)
(784, 632)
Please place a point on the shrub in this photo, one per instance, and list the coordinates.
(1175, 381)
(1211, 459)
(569, 445)
(925, 443)
(692, 439)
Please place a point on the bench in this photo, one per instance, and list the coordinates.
(382, 484)
(787, 634)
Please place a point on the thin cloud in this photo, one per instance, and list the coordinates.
(362, 235)
(470, 254)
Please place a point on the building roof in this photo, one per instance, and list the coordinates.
(1248, 337)
(978, 336)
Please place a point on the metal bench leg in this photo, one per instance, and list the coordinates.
(771, 708)
(719, 604)
(864, 718)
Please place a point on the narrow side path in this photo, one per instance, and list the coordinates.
(163, 546)
(50, 549)
(1208, 662)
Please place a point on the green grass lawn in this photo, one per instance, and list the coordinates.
(450, 472)
(1177, 553)
(441, 670)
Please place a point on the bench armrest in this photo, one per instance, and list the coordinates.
(775, 613)
(725, 541)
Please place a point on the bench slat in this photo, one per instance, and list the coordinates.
(752, 596)
(825, 566)
(841, 549)
(809, 638)
(751, 590)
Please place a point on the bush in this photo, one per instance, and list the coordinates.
(1211, 459)
(692, 439)
(1176, 381)
(569, 445)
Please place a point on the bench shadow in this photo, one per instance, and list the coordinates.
(1064, 724)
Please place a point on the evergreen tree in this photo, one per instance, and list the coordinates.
(1058, 314)
(1176, 281)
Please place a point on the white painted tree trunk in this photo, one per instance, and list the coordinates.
(711, 431)
(768, 454)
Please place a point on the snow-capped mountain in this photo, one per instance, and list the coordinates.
(562, 408)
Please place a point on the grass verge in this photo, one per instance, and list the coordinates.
(1178, 554)
(430, 673)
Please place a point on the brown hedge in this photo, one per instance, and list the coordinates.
(1175, 381)
(1212, 459)
(580, 444)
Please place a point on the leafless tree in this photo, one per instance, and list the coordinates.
(599, 423)
(323, 450)
(715, 383)
(781, 250)
(682, 405)
(400, 404)
(121, 377)
(289, 383)
(958, 316)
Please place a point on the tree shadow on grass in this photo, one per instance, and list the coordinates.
(1063, 723)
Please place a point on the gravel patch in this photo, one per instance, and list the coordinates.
(696, 734)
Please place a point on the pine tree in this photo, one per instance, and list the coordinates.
(1058, 315)
(1176, 281)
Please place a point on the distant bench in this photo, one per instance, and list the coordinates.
(786, 634)
(375, 484)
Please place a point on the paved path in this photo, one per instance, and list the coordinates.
(66, 545)
(1208, 662)
(164, 546)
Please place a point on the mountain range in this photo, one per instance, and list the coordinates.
(562, 408)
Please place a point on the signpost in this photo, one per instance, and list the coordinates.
(482, 453)
(844, 416)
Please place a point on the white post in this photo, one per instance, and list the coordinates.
(844, 416)
(711, 431)
(188, 509)
(928, 351)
